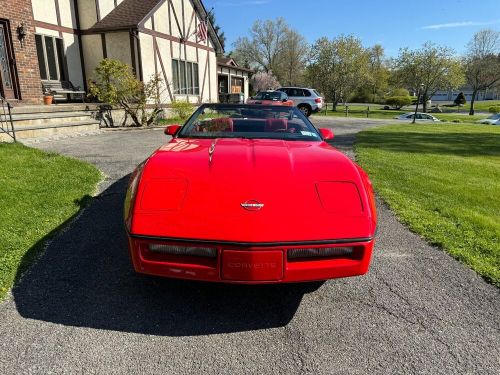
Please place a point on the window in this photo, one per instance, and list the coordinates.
(50, 53)
(185, 77)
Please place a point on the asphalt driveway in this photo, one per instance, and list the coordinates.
(81, 309)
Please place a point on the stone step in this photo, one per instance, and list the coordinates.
(71, 107)
(46, 118)
(43, 131)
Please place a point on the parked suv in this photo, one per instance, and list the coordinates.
(307, 100)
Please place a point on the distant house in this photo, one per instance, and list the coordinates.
(450, 95)
(233, 79)
(64, 40)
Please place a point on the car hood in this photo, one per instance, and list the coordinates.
(195, 189)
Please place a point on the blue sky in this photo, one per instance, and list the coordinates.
(392, 23)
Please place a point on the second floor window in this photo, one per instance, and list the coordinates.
(185, 77)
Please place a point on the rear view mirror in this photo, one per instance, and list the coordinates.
(326, 133)
(172, 129)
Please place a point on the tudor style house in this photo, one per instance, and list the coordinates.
(54, 41)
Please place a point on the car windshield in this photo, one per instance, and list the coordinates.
(268, 96)
(249, 121)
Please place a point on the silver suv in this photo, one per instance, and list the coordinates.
(307, 100)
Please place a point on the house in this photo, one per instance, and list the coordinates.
(45, 41)
(232, 79)
(450, 95)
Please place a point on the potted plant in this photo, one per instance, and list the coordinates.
(47, 97)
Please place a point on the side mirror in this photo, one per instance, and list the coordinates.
(172, 129)
(326, 133)
(285, 100)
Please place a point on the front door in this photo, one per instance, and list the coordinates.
(7, 76)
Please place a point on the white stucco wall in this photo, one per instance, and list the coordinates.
(67, 13)
(92, 51)
(44, 11)
(118, 46)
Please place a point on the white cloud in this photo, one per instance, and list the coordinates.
(459, 24)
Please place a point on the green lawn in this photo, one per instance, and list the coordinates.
(483, 105)
(39, 192)
(443, 181)
(376, 111)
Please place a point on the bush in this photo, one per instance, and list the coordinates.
(398, 101)
(182, 109)
(494, 109)
(460, 99)
(114, 83)
(400, 92)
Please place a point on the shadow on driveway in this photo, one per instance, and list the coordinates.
(85, 279)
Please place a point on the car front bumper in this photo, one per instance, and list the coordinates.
(251, 263)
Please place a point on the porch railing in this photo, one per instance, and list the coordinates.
(6, 123)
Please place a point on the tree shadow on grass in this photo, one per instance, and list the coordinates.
(85, 279)
(460, 144)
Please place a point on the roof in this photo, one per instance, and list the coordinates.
(228, 62)
(130, 14)
(127, 15)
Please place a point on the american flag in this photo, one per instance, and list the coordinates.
(202, 31)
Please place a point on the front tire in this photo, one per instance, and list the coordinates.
(306, 110)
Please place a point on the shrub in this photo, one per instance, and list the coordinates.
(182, 109)
(115, 84)
(460, 99)
(400, 92)
(494, 109)
(398, 101)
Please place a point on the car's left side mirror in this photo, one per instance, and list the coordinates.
(172, 129)
(326, 133)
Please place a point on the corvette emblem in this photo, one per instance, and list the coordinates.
(252, 205)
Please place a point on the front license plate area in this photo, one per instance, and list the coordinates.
(252, 265)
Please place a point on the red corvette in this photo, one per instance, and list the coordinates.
(250, 194)
(271, 98)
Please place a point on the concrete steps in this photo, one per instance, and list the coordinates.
(32, 122)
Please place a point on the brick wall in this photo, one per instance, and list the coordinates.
(18, 11)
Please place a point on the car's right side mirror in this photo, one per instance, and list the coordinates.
(326, 133)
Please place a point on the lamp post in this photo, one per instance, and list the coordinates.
(420, 89)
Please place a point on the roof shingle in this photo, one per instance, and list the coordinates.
(128, 14)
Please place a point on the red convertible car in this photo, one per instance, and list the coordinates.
(250, 194)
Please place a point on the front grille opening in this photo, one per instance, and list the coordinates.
(324, 253)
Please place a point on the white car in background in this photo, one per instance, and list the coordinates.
(307, 100)
(492, 120)
(420, 117)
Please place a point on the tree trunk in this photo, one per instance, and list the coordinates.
(472, 100)
(334, 105)
(424, 102)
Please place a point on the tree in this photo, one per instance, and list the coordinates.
(460, 99)
(427, 69)
(379, 72)
(263, 46)
(217, 28)
(115, 84)
(292, 59)
(273, 47)
(262, 81)
(482, 63)
(338, 67)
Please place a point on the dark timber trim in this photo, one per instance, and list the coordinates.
(104, 48)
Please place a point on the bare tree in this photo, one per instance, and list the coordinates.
(263, 46)
(482, 63)
(428, 69)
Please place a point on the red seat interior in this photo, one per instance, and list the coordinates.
(224, 124)
(275, 124)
